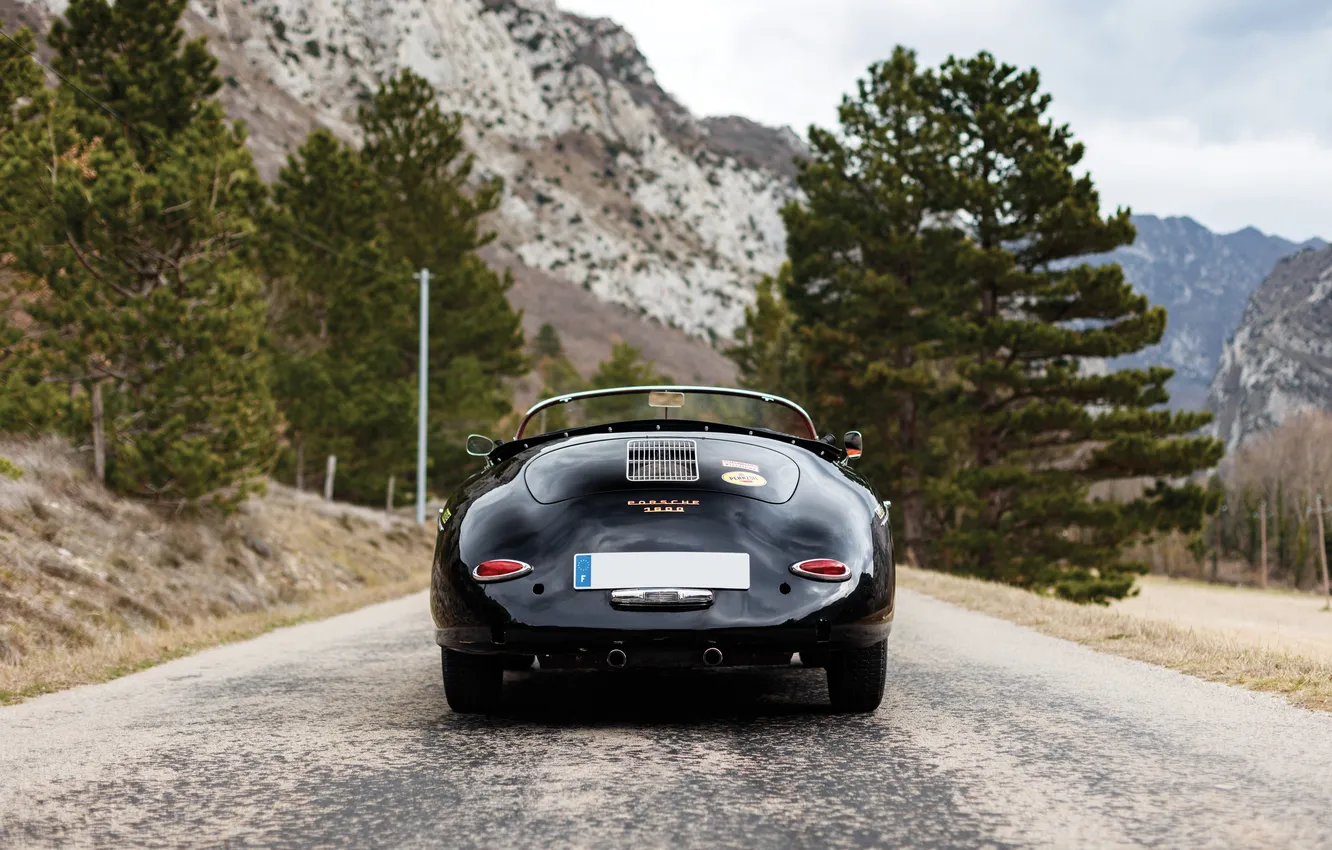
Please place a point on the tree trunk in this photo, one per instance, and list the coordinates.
(98, 434)
(913, 504)
(388, 503)
(913, 526)
(300, 465)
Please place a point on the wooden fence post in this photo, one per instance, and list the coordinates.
(1322, 543)
(388, 503)
(328, 478)
(99, 434)
(1262, 532)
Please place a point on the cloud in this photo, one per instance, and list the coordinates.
(1221, 109)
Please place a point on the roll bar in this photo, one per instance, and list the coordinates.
(565, 399)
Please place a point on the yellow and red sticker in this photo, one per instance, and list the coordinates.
(744, 479)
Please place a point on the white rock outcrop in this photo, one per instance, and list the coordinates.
(1279, 361)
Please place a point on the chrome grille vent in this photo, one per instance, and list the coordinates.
(662, 460)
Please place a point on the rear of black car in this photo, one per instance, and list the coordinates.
(650, 550)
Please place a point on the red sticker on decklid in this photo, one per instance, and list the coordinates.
(740, 464)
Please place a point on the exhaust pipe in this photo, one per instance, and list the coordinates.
(712, 656)
(616, 658)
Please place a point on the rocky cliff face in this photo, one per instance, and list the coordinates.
(1280, 359)
(1203, 279)
(613, 185)
(614, 188)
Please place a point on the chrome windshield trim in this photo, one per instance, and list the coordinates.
(565, 399)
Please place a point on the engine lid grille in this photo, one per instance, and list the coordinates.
(662, 460)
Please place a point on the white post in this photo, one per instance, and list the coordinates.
(388, 503)
(328, 477)
(422, 374)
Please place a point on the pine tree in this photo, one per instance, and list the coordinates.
(27, 402)
(1041, 427)
(547, 342)
(768, 348)
(341, 320)
(134, 230)
(553, 367)
(432, 220)
(868, 252)
(626, 368)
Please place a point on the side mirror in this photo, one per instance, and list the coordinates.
(479, 445)
(853, 443)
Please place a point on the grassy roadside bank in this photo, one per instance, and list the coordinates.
(50, 671)
(1214, 655)
(93, 587)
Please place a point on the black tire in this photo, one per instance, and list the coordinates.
(856, 677)
(472, 683)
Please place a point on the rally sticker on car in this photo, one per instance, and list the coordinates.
(745, 479)
(740, 464)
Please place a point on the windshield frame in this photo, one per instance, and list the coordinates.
(569, 397)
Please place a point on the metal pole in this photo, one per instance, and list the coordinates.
(1322, 542)
(421, 399)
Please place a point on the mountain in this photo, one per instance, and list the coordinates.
(1203, 279)
(613, 186)
(625, 217)
(1280, 359)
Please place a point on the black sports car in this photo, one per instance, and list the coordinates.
(650, 527)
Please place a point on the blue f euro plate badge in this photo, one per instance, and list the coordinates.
(582, 572)
(615, 570)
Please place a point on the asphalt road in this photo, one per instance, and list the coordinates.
(336, 734)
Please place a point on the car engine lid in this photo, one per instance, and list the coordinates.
(650, 462)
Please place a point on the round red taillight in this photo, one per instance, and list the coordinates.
(822, 569)
(500, 569)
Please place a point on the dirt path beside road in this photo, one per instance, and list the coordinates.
(1280, 620)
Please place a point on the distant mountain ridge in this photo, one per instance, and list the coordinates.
(1204, 280)
(612, 186)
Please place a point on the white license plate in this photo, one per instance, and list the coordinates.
(614, 570)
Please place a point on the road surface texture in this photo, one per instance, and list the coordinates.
(337, 734)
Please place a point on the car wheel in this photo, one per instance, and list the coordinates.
(856, 677)
(472, 683)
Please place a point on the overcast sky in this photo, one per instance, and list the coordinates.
(1216, 109)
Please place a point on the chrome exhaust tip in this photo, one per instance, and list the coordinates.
(712, 656)
(616, 658)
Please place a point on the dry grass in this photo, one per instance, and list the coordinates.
(92, 586)
(122, 654)
(1208, 654)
